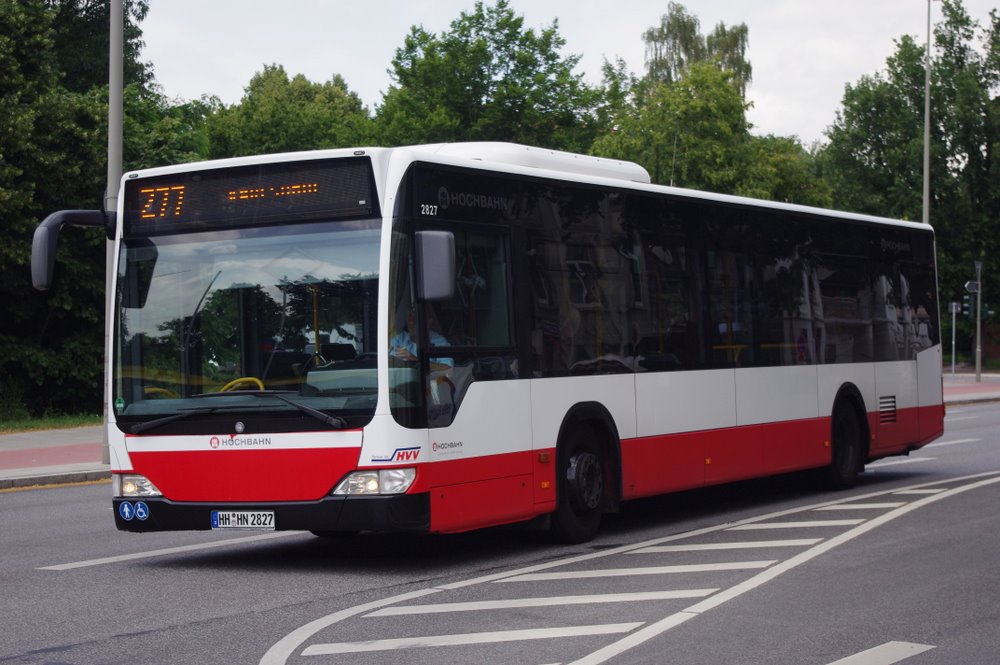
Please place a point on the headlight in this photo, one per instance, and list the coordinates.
(382, 481)
(134, 486)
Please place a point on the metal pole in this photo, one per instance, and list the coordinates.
(927, 122)
(954, 310)
(979, 309)
(116, 50)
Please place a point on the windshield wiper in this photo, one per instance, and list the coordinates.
(333, 421)
(138, 428)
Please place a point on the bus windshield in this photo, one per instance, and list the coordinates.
(278, 319)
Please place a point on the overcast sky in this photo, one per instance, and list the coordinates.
(803, 52)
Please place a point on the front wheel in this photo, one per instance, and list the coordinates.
(581, 487)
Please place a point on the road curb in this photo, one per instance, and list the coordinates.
(66, 478)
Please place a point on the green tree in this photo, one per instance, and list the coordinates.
(49, 144)
(874, 156)
(487, 78)
(81, 46)
(158, 132)
(779, 168)
(279, 114)
(677, 43)
(690, 133)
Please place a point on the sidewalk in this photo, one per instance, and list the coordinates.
(65, 456)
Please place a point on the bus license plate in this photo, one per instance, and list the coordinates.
(243, 519)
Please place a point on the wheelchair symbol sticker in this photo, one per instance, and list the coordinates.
(128, 511)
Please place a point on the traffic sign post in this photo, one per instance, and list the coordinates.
(953, 308)
(979, 308)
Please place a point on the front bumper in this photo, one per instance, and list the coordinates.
(403, 513)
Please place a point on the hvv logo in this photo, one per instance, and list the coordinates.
(400, 455)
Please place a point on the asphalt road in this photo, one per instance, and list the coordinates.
(902, 568)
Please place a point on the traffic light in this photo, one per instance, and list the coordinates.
(968, 307)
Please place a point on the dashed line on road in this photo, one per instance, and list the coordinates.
(170, 550)
(885, 654)
(910, 460)
(939, 444)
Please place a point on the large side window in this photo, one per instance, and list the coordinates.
(470, 335)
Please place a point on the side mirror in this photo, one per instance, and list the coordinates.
(46, 239)
(435, 265)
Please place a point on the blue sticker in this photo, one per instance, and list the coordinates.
(141, 511)
(126, 511)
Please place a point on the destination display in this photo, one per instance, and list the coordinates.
(249, 195)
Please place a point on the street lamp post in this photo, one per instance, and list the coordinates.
(927, 122)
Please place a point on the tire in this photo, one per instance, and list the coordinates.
(581, 486)
(846, 434)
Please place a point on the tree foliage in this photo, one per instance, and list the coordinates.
(280, 114)
(488, 78)
(81, 42)
(874, 159)
(685, 120)
(690, 133)
(49, 143)
(677, 43)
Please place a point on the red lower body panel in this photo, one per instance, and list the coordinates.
(246, 475)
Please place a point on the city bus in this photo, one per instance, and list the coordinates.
(442, 338)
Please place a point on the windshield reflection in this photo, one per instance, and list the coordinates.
(288, 309)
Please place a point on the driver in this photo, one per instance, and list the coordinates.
(404, 345)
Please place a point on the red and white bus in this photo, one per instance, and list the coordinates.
(446, 337)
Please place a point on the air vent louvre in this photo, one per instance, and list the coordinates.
(887, 409)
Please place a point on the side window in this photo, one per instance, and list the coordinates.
(470, 335)
(478, 315)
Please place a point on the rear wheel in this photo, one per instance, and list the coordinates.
(581, 486)
(846, 439)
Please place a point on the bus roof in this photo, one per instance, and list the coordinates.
(529, 160)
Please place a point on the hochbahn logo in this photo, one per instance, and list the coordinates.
(233, 441)
(469, 200)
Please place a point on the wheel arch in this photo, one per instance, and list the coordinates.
(597, 417)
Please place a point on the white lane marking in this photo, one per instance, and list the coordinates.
(652, 570)
(656, 629)
(468, 638)
(953, 419)
(473, 606)
(171, 550)
(926, 491)
(886, 654)
(710, 547)
(939, 444)
(911, 460)
(760, 526)
(864, 506)
(284, 648)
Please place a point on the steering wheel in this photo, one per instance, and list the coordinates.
(156, 390)
(243, 379)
